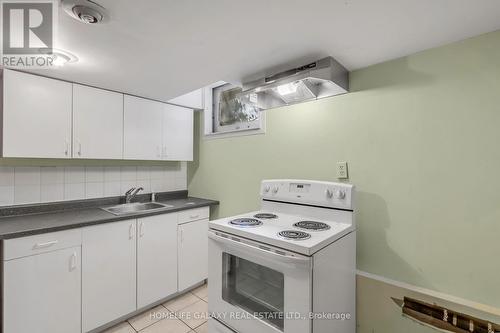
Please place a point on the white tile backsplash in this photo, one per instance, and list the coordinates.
(112, 189)
(27, 176)
(129, 173)
(52, 175)
(26, 194)
(6, 195)
(52, 192)
(180, 183)
(34, 184)
(74, 175)
(74, 191)
(6, 176)
(112, 174)
(94, 190)
(94, 174)
(158, 185)
(156, 172)
(143, 173)
(169, 183)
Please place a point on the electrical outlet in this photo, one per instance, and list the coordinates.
(342, 172)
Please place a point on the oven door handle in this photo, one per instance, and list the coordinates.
(239, 245)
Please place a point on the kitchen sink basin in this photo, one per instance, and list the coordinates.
(136, 207)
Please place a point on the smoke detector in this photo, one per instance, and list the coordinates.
(85, 11)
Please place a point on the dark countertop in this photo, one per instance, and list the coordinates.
(68, 218)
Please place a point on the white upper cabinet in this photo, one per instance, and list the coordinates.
(36, 116)
(177, 133)
(143, 120)
(192, 100)
(97, 123)
(47, 118)
(157, 131)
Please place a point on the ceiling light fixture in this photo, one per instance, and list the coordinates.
(287, 89)
(59, 60)
(59, 57)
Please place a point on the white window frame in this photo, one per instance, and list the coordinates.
(210, 116)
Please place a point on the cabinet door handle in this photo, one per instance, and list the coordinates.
(131, 231)
(66, 148)
(182, 235)
(194, 216)
(79, 149)
(141, 229)
(72, 262)
(44, 245)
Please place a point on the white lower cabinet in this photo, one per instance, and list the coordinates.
(42, 293)
(78, 280)
(108, 273)
(156, 258)
(192, 253)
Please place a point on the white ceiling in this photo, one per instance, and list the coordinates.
(163, 48)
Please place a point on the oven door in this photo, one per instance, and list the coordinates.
(257, 288)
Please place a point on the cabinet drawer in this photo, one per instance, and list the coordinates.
(31, 245)
(193, 214)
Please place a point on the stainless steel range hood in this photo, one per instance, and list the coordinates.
(319, 79)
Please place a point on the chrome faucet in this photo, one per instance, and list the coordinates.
(131, 194)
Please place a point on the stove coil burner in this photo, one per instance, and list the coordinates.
(294, 235)
(246, 222)
(265, 216)
(311, 225)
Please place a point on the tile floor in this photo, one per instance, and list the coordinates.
(183, 314)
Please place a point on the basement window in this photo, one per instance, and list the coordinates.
(228, 114)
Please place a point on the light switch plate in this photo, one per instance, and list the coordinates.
(342, 172)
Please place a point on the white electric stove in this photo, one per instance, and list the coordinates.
(301, 234)
(289, 267)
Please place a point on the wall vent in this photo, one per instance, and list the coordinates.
(444, 319)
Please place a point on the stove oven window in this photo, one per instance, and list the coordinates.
(254, 288)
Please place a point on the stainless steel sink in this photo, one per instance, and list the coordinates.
(136, 207)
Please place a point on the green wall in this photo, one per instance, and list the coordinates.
(421, 135)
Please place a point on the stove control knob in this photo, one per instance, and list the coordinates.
(275, 189)
(339, 194)
(329, 193)
(267, 188)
